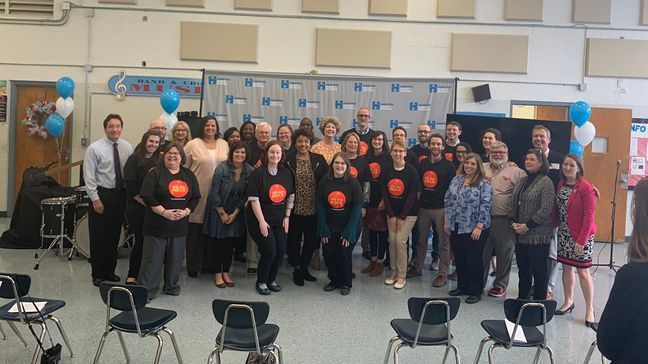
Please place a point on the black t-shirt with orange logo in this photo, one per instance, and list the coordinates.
(421, 152)
(435, 180)
(272, 191)
(338, 199)
(360, 169)
(172, 191)
(398, 187)
(376, 166)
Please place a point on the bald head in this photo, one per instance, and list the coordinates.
(158, 125)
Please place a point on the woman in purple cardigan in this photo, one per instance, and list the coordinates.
(573, 215)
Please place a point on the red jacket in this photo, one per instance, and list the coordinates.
(580, 211)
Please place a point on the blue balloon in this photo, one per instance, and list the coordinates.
(170, 101)
(65, 87)
(575, 148)
(580, 112)
(55, 125)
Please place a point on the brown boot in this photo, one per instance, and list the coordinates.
(369, 268)
(377, 270)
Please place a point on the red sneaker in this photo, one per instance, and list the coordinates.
(496, 292)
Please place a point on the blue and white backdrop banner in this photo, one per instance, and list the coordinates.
(287, 98)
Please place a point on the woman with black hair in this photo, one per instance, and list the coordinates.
(232, 135)
(271, 198)
(488, 137)
(138, 165)
(461, 150)
(339, 206)
(246, 132)
(203, 154)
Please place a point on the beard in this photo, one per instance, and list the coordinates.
(498, 163)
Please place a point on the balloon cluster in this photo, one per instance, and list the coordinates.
(55, 123)
(585, 131)
(170, 100)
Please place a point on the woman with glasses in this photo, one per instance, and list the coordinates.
(460, 153)
(180, 133)
(533, 200)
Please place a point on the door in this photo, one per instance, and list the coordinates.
(557, 113)
(34, 151)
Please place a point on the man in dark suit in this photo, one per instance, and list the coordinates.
(362, 129)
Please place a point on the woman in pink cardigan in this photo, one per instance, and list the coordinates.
(573, 215)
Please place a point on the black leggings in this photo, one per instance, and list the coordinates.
(224, 252)
(135, 217)
(300, 255)
(378, 243)
(532, 267)
(338, 261)
(271, 250)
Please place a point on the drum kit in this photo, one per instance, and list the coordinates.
(65, 219)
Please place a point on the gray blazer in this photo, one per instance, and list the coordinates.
(533, 207)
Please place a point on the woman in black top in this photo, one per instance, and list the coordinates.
(400, 188)
(171, 192)
(308, 169)
(359, 167)
(376, 217)
(246, 132)
(231, 136)
(339, 204)
(622, 335)
(271, 196)
(138, 165)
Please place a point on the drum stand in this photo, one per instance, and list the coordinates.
(60, 239)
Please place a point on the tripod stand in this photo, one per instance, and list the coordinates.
(611, 264)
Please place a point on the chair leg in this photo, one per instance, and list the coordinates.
(389, 347)
(123, 345)
(490, 352)
(445, 354)
(279, 352)
(537, 355)
(4, 336)
(551, 357)
(174, 342)
(101, 345)
(158, 353)
(398, 347)
(63, 334)
(589, 353)
(456, 354)
(15, 330)
(40, 338)
(210, 359)
(481, 348)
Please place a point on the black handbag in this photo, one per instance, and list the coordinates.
(51, 355)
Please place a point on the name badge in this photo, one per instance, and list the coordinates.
(554, 166)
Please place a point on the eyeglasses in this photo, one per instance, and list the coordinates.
(363, 116)
(175, 154)
(159, 128)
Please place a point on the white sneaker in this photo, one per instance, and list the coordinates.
(390, 280)
(400, 285)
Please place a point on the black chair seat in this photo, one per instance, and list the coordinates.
(243, 339)
(496, 329)
(50, 307)
(430, 334)
(150, 319)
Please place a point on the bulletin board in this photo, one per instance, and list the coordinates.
(638, 151)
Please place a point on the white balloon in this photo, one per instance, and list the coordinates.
(169, 120)
(585, 133)
(64, 107)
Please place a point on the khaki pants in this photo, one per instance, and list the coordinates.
(398, 247)
(502, 239)
(426, 218)
(252, 253)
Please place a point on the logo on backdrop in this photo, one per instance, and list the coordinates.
(415, 106)
(291, 85)
(235, 100)
(345, 105)
(397, 87)
(218, 81)
(436, 88)
(250, 82)
(283, 119)
(178, 188)
(308, 104)
(327, 86)
(405, 124)
(336, 200)
(378, 105)
(220, 117)
(432, 124)
(396, 187)
(154, 86)
(364, 87)
(277, 193)
(253, 118)
(267, 101)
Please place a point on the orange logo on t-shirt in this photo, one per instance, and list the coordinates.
(364, 147)
(178, 188)
(430, 179)
(421, 157)
(353, 171)
(448, 156)
(336, 199)
(375, 170)
(396, 187)
(277, 193)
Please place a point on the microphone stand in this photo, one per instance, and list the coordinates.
(611, 264)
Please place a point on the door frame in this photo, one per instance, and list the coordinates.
(11, 147)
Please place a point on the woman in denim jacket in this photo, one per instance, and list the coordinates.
(467, 208)
(224, 221)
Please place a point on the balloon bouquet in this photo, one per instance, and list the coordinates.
(585, 131)
(170, 100)
(55, 123)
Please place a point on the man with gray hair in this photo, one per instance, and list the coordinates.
(503, 176)
(262, 134)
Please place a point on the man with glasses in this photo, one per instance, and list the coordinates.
(422, 149)
(257, 150)
(503, 176)
(362, 129)
(160, 126)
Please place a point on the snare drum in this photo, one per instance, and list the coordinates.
(57, 211)
(82, 201)
(82, 237)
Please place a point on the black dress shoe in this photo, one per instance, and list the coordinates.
(262, 288)
(96, 281)
(192, 273)
(113, 278)
(307, 276)
(330, 287)
(274, 287)
(458, 292)
(298, 277)
(473, 299)
(568, 310)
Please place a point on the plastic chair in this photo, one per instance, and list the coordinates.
(16, 288)
(527, 315)
(135, 317)
(593, 347)
(244, 329)
(428, 325)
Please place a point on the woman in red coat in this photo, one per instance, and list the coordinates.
(574, 216)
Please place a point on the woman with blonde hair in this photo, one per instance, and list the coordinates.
(622, 330)
(328, 147)
(181, 133)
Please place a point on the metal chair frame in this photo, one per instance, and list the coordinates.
(448, 341)
(510, 344)
(590, 352)
(220, 347)
(153, 333)
(40, 321)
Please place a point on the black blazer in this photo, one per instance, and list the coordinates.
(318, 164)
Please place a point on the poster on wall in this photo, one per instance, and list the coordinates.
(3, 101)
(638, 151)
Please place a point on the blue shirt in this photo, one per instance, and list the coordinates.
(99, 165)
(468, 205)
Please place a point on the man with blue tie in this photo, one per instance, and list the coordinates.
(103, 169)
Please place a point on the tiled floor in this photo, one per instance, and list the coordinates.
(316, 327)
